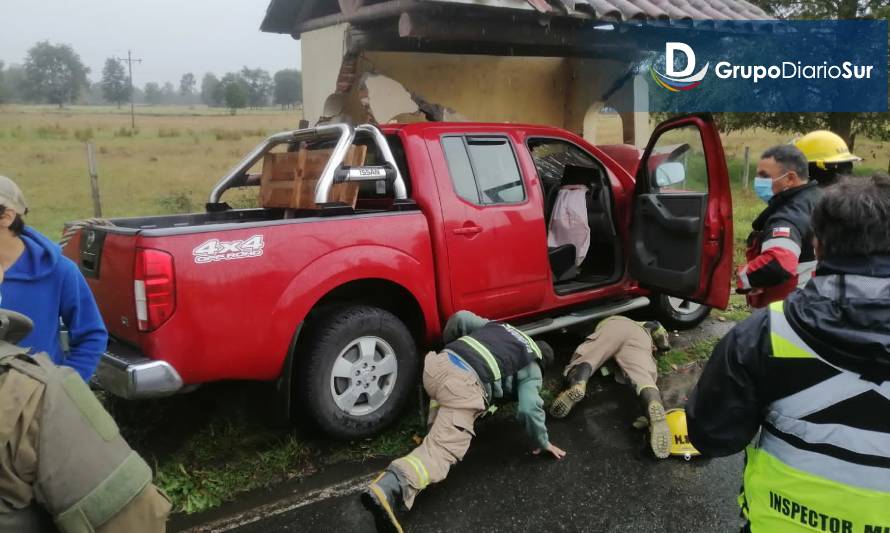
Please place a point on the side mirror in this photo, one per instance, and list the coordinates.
(670, 173)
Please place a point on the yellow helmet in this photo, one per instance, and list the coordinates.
(823, 147)
(680, 445)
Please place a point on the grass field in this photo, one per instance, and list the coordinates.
(168, 164)
(208, 446)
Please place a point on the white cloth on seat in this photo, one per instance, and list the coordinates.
(568, 222)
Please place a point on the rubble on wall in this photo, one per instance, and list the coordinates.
(376, 98)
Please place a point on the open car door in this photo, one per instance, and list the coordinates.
(682, 218)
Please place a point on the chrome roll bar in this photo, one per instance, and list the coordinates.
(345, 136)
(399, 183)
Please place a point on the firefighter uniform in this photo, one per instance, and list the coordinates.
(62, 458)
(631, 344)
(780, 251)
(807, 382)
(485, 361)
(463, 380)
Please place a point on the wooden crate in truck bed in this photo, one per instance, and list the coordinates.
(289, 178)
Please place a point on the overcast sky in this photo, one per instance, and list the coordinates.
(171, 36)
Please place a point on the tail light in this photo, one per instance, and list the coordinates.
(155, 288)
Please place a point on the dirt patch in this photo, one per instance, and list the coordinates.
(711, 328)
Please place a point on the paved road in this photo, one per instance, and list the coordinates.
(606, 483)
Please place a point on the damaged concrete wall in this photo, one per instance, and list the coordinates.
(481, 88)
(414, 86)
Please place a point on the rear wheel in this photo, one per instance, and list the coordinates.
(358, 371)
(677, 313)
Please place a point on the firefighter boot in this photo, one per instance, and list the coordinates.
(577, 382)
(659, 431)
(382, 497)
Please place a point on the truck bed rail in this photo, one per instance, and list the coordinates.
(345, 135)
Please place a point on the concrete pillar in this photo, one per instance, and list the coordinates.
(323, 52)
(629, 101)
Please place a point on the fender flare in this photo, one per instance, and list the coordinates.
(335, 269)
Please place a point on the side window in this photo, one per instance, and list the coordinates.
(484, 169)
(461, 171)
(677, 163)
(551, 157)
(497, 173)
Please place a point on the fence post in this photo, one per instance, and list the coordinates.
(94, 180)
(747, 168)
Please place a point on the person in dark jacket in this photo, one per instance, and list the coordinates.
(46, 286)
(482, 361)
(780, 251)
(808, 381)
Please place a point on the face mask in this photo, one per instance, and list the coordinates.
(763, 187)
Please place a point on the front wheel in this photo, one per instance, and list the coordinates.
(677, 313)
(358, 371)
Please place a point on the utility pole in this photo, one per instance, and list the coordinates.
(130, 62)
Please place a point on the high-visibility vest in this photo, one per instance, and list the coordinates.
(496, 350)
(806, 476)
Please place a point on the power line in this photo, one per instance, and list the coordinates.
(130, 62)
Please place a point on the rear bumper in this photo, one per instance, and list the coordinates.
(127, 373)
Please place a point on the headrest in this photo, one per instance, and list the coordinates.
(578, 175)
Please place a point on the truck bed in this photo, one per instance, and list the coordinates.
(247, 216)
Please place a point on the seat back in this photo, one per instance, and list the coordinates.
(572, 208)
(599, 201)
(568, 221)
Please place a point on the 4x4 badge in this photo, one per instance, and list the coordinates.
(216, 250)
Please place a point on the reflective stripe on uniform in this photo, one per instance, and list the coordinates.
(805, 273)
(825, 466)
(807, 462)
(785, 342)
(485, 354)
(423, 475)
(781, 242)
(827, 393)
(534, 346)
(858, 440)
(793, 499)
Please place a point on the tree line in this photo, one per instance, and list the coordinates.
(54, 74)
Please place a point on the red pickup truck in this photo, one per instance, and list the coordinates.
(336, 303)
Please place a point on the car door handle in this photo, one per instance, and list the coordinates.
(681, 224)
(468, 230)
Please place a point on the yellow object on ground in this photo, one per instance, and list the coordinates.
(680, 445)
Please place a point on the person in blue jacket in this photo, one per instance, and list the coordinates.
(42, 284)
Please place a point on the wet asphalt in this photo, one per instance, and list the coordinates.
(607, 483)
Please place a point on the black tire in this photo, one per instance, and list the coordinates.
(673, 318)
(330, 336)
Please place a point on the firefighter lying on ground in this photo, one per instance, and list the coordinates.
(780, 246)
(631, 344)
(62, 458)
(482, 361)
